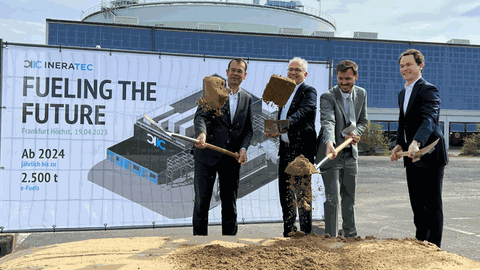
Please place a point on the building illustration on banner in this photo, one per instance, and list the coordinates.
(158, 170)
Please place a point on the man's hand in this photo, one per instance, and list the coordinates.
(330, 149)
(354, 136)
(272, 135)
(201, 141)
(242, 159)
(393, 154)
(413, 149)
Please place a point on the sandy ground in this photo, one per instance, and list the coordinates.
(383, 211)
(223, 252)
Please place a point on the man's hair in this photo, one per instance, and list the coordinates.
(417, 55)
(345, 65)
(303, 63)
(238, 60)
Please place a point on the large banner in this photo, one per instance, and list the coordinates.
(76, 151)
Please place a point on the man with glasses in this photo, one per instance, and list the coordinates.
(300, 110)
(232, 130)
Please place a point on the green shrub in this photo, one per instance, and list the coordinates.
(373, 142)
(471, 145)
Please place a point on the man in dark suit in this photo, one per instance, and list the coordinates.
(300, 110)
(343, 115)
(232, 130)
(418, 126)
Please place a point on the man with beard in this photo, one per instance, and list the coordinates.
(300, 110)
(418, 126)
(232, 130)
(343, 115)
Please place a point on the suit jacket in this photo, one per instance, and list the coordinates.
(221, 131)
(421, 123)
(333, 118)
(301, 114)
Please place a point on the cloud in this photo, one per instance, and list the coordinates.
(409, 20)
(474, 12)
(423, 26)
(22, 31)
(38, 10)
(18, 31)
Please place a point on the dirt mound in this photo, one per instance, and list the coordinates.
(319, 252)
(301, 252)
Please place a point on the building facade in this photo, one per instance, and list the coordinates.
(453, 68)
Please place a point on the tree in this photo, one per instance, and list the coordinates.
(373, 142)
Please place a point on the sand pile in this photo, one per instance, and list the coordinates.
(278, 90)
(215, 95)
(308, 252)
(320, 252)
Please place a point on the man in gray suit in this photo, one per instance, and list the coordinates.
(343, 115)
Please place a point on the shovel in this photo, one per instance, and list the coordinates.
(426, 150)
(209, 146)
(337, 150)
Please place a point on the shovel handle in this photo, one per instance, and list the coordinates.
(401, 154)
(341, 146)
(337, 150)
(221, 150)
(404, 154)
(209, 146)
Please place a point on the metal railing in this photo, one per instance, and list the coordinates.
(114, 4)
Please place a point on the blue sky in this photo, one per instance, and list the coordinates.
(413, 20)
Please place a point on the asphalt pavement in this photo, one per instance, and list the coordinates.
(382, 208)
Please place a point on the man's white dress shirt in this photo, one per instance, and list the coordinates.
(283, 115)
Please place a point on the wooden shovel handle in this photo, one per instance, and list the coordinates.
(343, 145)
(401, 154)
(340, 147)
(404, 154)
(221, 150)
(210, 146)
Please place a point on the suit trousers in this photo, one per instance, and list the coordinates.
(228, 170)
(425, 190)
(340, 182)
(289, 196)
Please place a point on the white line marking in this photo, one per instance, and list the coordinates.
(460, 231)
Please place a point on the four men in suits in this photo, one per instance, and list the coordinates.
(232, 130)
(343, 111)
(418, 126)
(300, 110)
(343, 115)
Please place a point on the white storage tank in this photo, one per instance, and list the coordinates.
(260, 16)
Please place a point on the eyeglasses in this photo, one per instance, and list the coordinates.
(295, 70)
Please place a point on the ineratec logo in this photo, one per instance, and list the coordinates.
(56, 65)
(32, 64)
(156, 141)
